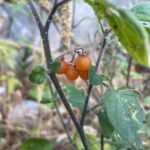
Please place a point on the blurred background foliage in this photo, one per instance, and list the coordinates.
(27, 110)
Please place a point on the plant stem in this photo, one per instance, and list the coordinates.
(53, 11)
(65, 102)
(59, 114)
(128, 72)
(91, 86)
(44, 35)
(102, 141)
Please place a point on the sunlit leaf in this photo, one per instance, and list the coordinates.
(91, 139)
(142, 11)
(127, 27)
(12, 84)
(37, 144)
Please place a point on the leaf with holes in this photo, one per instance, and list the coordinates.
(125, 114)
(142, 11)
(55, 66)
(127, 27)
(95, 79)
(37, 75)
(146, 25)
(37, 144)
(120, 142)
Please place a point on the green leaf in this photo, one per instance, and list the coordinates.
(125, 114)
(17, 2)
(95, 79)
(105, 77)
(120, 142)
(46, 100)
(37, 144)
(105, 124)
(142, 11)
(55, 66)
(47, 96)
(75, 96)
(146, 25)
(147, 118)
(12, 83)
(37, 75)
(147, 100)
(148, 132)
(127, 27)
(91, 139)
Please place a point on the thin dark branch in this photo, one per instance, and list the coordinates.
(100, 54)
(79, 22)
(45, 40)
(36, 16)
(59, 114)
(53, 11)
(102, 142)
(56, 27)
(93, 108)
(65, 102)
(73, 12)
(44, 34)
(91, 86)
(128, 71)
(63, 123)
(103, 31)
(85, 105)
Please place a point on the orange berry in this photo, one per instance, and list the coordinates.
(83, 62)
(72, 73)
(63, 68)
(83, 75)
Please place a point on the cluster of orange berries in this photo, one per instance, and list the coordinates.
(78, 68)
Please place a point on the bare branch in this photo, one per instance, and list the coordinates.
(53, 11)
(91, 86)
(128, 71)
(36, 16)
(47, 51)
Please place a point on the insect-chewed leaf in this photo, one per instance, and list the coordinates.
(125, 114)
(141, 11)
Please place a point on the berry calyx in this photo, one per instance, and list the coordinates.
(63, 68)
